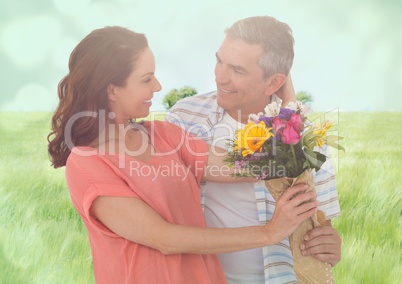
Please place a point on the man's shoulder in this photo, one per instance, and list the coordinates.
(196, 108)
(201, 101)
(196, 114)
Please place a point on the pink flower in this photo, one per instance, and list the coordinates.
(291, 134)
(278, 124)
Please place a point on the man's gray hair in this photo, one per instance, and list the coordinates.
(273, 36)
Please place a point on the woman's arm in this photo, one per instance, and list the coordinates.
(287, 92)
(135, 221)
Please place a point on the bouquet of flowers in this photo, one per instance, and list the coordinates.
(282, 147)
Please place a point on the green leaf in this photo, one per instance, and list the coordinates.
(315, 158)
(335, 145)
(330, 139)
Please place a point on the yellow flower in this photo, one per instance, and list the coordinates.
(251, 138)
(320, 142)
(321, 129)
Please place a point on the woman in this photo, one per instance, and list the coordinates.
(136, 185)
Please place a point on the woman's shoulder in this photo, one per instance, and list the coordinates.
(169, 133)
(91, 163)
(84, 157)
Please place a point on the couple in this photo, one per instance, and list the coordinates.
(145, 230)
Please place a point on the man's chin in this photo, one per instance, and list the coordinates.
(222, 102)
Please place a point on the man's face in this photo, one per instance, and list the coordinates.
(239, 79)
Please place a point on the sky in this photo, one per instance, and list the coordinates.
(346, 52)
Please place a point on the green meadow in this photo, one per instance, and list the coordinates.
(43, 240)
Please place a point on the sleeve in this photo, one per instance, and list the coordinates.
(90, 177)
(192, 114)
(325, 185)
(176, 116)
(103, 189)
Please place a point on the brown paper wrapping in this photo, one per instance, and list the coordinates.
(308, 269)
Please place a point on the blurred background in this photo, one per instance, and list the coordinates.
(346, 57)
(347, 52)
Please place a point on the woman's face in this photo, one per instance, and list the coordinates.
(133, 100)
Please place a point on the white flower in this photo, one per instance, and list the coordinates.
(305, 110)
(272, 110)
(254, 117)
(294, 105)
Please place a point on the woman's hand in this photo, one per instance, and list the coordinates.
(294, 206)
(287, 92)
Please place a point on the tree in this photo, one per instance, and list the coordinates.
(174, 95)
(304, 97)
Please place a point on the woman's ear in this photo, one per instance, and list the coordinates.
(111, 92)
(274, 83)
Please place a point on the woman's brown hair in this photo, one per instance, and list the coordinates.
(105, 56)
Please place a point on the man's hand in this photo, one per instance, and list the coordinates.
(287, 92)
(322, 243)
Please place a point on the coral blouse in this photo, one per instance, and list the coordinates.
(169, 183)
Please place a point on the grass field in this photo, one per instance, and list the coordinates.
(42, 238)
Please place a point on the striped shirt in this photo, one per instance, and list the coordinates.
(199, 115)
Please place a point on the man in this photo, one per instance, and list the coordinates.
(253, 64)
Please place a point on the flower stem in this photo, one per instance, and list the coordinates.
(292, 147)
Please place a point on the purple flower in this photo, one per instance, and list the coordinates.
(253, 157)
(285, 113)
(267, 120)
(240, 164)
